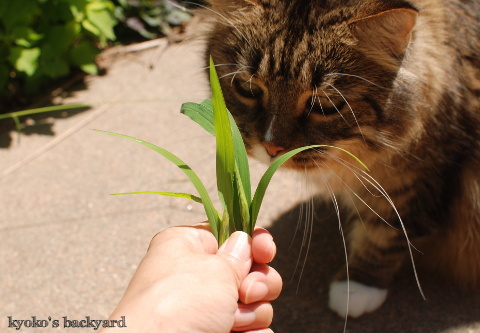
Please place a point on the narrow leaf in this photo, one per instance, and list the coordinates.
(241, 159)
(225, 228)
(349, 153)
(212, 214)
(267, 176)
(203, 115)
(17, 127)
(168, 194)
(225, 160)
(44, 109)
(200, 114)
(265, 180)
(242, 208)
(208, 104)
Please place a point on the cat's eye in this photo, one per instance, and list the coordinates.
(247, 89)
(324, 106)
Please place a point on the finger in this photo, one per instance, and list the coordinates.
(263, 283)
(178, 240)
(237, 250)
(267, 330)
(263, 246)
(202, 225)
(255, 316)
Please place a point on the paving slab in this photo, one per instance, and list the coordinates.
(68, 248)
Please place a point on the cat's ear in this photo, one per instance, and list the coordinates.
(390, 30)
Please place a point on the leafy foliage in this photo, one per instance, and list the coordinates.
(147, 19)
(41, 40)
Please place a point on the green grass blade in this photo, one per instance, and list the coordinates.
(168, 194)
(241, 159)
(225, 228)
(212, 214)
(267, 176)
(265, 180)
(225, 159)
(208, 104)
(242, 205)
(349, 153)
(200, 114)
(17, 127)
(203, 115)
(43, 110)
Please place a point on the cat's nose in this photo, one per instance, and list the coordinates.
(272, 150)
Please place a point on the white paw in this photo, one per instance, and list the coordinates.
(363, 299)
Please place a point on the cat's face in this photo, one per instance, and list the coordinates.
(297, 73)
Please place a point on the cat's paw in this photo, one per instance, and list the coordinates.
(363, 299)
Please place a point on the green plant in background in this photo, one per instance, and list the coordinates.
(240, 209)
(42, 40)
(149, 18)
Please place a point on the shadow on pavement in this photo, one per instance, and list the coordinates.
(41, 124)
(302, 307)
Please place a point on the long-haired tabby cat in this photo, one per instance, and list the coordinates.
(397, 83)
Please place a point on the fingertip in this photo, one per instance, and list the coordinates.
(257, 316)
(262, 284)
(263, 246)
(237, 250)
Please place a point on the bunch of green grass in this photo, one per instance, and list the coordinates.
(239, 209)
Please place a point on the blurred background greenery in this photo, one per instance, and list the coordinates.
(42, 41)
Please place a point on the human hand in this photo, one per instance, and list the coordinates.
(186, 284)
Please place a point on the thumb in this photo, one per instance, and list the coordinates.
(237, 250)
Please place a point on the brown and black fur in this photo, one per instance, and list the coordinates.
(405, 76)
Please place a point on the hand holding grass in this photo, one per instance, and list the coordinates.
(186, 284)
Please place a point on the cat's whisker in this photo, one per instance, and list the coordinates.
(250, 82)
(240, 70)
(378, 187)
(367, 189)
(351, 110)
(348, 187)
(307, 237)
(312, 101)
(233, 74)
(338, 111)
(358, 77)
(385, 141)
(223, 17)
(229, 74)
(216, 66)
(203, 69)
(340, 227)
(307, 214)
(350, 197)
(298, 222)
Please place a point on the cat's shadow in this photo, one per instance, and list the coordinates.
(303, 304)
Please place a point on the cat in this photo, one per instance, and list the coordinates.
(397, 84)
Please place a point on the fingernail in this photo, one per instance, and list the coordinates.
(244, 317)
(237, 246)
(256, 292)
(274, 250)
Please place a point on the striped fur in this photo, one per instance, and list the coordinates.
(405, 77)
